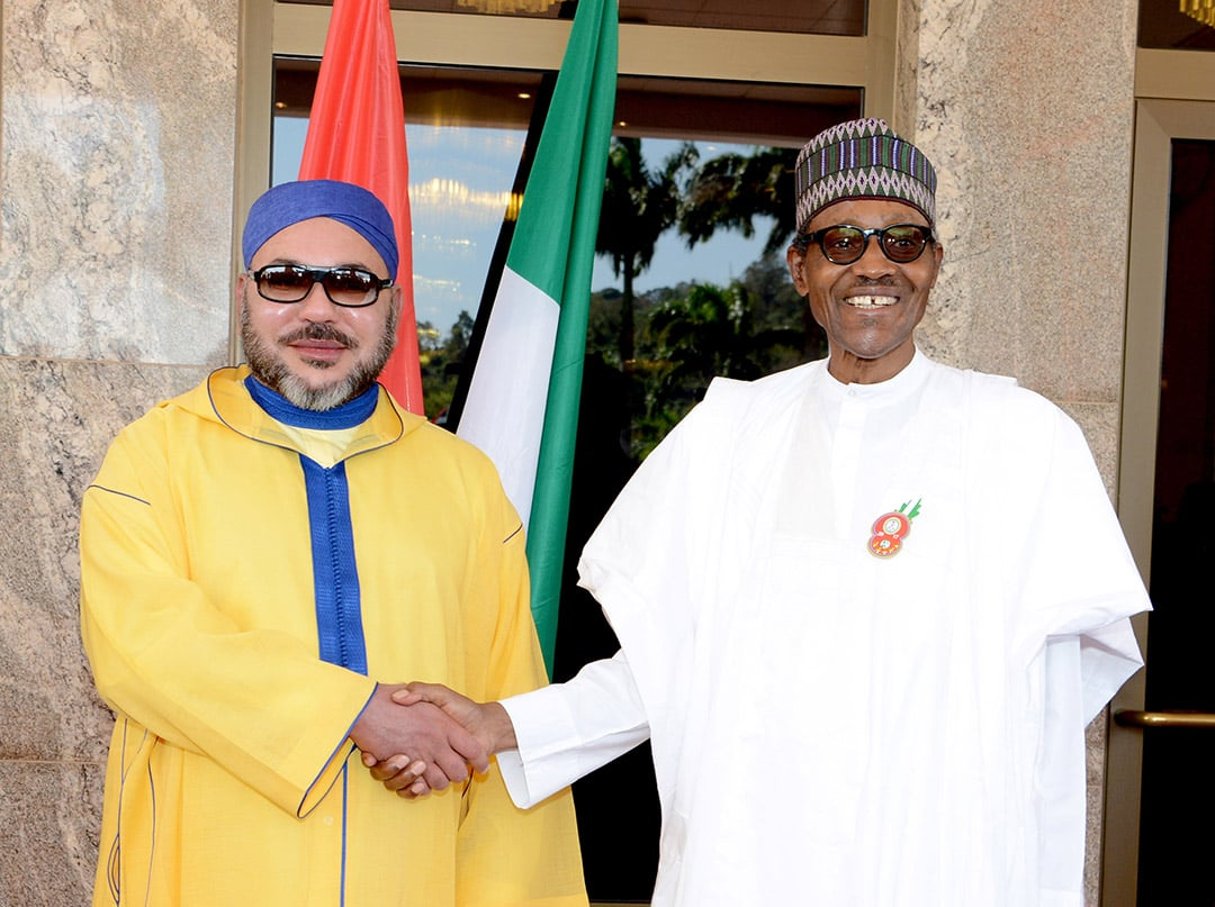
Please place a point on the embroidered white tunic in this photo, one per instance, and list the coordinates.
(831, 727)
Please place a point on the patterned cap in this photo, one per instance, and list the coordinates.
(862, 159)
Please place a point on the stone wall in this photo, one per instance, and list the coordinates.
(116, 170)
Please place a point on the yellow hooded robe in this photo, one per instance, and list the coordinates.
(231, 778)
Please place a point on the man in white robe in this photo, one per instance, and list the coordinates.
(866, 606)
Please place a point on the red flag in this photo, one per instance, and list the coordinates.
(357, 134)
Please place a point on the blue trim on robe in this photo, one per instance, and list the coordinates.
(152, 849)
(345, 831)
(335, 574)
(279, 408)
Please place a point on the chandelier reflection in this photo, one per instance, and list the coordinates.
(459, 199)
(507, 6)
(1202, 10)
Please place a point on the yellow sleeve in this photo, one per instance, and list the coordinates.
(507, 855)
(259, 703)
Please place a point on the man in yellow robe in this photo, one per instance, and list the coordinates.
(261, 558)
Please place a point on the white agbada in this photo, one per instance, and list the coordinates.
(833, 728)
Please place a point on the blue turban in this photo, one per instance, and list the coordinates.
(289, 203)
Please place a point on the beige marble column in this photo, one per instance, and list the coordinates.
(115, 230)
(1027, 110)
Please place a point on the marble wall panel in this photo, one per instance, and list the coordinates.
(56, 421)
(51, 816)
(116, 179)
(117, 122)
(1027, 111)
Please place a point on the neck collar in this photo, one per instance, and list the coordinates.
(907, 380)
(349, 414)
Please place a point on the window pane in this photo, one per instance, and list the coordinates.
(812, 17)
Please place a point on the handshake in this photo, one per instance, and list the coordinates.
(419, 737)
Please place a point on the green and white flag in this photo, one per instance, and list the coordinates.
(522, 404)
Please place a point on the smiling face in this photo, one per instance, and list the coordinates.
(316, 354)
(869, 308)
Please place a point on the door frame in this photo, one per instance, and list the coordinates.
(1174, 100)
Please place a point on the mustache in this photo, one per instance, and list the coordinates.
(320, 332)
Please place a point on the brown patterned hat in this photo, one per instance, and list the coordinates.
(862, 159)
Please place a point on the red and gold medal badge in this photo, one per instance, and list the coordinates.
(890, 529)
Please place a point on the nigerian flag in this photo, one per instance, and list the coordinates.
(522, 403)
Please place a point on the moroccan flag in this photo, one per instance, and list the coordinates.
(356, 133)
(522, 404)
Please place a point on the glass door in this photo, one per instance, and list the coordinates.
(1160, 792)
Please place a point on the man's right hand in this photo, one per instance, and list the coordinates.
(488, 722)
(421, 730)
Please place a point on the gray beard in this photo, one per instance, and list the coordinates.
(270, 369)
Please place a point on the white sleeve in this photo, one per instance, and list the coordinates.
(567, 730)
(1081, 673)
(1061, 792)
(1077, 575)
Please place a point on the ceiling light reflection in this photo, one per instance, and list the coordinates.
(454, 197)
(507, 6)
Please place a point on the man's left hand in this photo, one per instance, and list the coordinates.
(404, 777)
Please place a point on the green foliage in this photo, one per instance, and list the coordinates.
(670, 343)
(441, 359)
(639, 205)
(689, 334)
(730, 191)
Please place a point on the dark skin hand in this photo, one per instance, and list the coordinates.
(407, 777)
(488, 722)
(439, 749)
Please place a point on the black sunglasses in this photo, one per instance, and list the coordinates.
(843, 244)
(349, 287)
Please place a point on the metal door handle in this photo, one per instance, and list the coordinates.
(1137, 718)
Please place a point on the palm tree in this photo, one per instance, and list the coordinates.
(638, 206)
(728, 192)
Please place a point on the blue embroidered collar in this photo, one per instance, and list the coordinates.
(348, 415)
